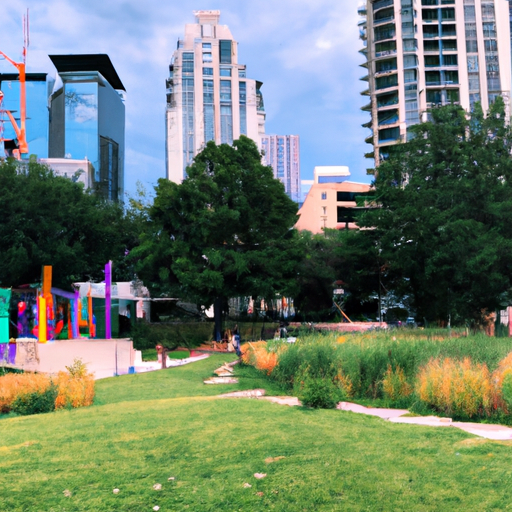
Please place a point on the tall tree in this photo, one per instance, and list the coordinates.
(50, 220)
(445, 213)
(225, 231)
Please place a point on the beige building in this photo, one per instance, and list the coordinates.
(425, 53)
(332, 202)
(209, 96)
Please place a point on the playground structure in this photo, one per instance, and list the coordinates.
(19, 147)
(48, 313)
(54, 327)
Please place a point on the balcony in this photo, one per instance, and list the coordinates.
(385, 53)
(367, 107)
(381, 4)
(387, 19)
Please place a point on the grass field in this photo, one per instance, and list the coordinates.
(151, 427)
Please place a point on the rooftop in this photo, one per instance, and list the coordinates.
(89, 62)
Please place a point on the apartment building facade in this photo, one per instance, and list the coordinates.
(209, 96)
(282, 153)
(424, 53)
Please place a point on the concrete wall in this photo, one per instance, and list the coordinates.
(104, 358)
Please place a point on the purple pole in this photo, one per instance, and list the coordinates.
(74, 317)
(108, 300)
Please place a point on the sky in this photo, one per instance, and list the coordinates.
(304, 51)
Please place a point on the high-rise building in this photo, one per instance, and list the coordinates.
(209, 96)
(88, 118)
(282, 153)
(425, 53)
(37, 87)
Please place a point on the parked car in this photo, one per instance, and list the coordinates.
(410, 322)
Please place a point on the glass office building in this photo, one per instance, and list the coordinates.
(88, 118)
(38, 87)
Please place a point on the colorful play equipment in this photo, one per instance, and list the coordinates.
(43, 313)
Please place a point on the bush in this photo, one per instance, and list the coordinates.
(317, 392)
(75, 387)
(36, 402)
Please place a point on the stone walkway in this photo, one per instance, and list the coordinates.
(495, 432)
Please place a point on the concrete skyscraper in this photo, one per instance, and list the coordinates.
(209, 96)
(425, 53)
(282, 153)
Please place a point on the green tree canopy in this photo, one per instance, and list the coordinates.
(50, 220)
(445, 213)
(225, 231)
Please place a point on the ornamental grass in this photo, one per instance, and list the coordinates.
(14, 385)
(75, 388)
(459, 388)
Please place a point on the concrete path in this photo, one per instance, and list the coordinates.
(495, 432)
(151, 366)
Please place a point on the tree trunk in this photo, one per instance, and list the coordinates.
(217, 316)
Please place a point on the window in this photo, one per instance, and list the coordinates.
(208, 110)
(410, 75)
(188, 63)
(410, 45)
(491, 45)
(207, 57)
(429, 14)
(431, 46)
(469, 13)
(471, 46)
(207, 46)
(449, 60)
(410, 61)
(386, 81)
(449, 44)
(208, 71)
(241, 73)
(432, 60)
(226, 124)
(324, 210)
(225, 52)
(242, 88)
(489, 30)
(324, 195)
(385, 65)
(474, 81)
(472, 63)
(225, 91)
(448, 14)
(384, 32)
(225, 72)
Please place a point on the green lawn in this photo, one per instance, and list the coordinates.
(148, 428)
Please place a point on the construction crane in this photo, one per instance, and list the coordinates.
(21, 133)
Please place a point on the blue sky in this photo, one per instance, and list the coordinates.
(304, 51)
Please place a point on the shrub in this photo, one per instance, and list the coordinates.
(75, 387)
(459, 388)
(36, 402)
(317, 392)
(395, 385)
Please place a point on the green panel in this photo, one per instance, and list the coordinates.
(4, 329)
(98, 306)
